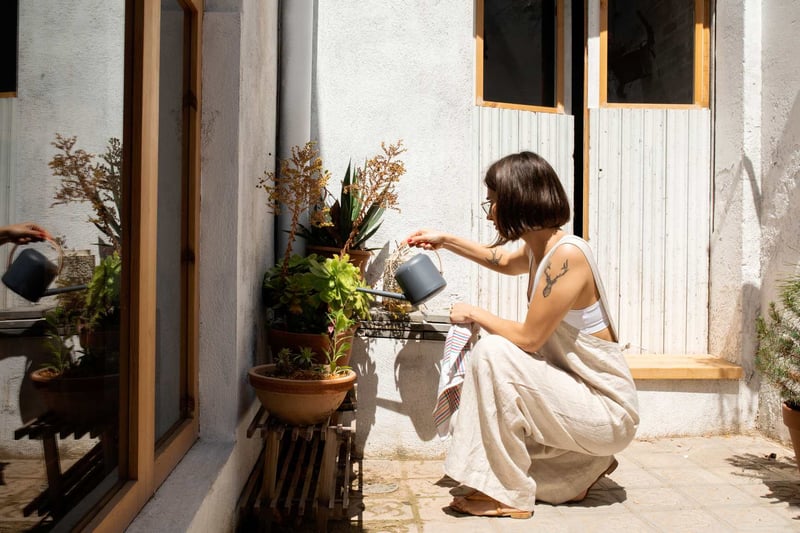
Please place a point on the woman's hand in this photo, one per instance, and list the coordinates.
(23, 233)
(426, 239)
(461, 313)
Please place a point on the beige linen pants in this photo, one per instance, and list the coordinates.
(545, 425)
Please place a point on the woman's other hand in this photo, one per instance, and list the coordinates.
(460, 313)
(426, 239)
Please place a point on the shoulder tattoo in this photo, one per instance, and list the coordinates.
(495, 258)
(549, 282)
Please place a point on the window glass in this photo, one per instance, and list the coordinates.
(170, 349)
(651, 51)
(8, 47)
(519, 52)
(61, 166)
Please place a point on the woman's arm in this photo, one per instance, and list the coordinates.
(566, 280)
(512, 263)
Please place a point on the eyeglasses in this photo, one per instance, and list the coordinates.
(487, 207)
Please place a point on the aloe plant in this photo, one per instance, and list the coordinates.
(366, 192)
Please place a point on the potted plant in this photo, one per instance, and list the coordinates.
(80, 384)
(301, 391)
(778, 354)
(345, 223)
(313, 303)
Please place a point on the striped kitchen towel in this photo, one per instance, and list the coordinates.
(454, 361)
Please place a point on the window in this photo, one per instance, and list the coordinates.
(656, 52)
(519, 53)
(8, 47)
(161, 369)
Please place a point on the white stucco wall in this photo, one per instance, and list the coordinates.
(756, 200)
(780, 168)
(402, 70)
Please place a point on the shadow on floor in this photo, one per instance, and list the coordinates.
(779, 475)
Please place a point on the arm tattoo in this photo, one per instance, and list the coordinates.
(495, 259)
(552, 281)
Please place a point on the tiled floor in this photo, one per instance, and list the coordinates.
(703, 484)
(697, 484)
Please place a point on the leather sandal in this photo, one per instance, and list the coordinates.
(479, 504)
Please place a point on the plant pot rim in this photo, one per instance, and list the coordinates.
(38, 376)
(260, 378)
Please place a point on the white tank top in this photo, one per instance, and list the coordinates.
(589, 319)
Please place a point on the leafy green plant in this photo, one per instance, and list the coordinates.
(99, 312)
(313, 290)
(59, 340)
(102, 298)
(778, 354)
(301, 363)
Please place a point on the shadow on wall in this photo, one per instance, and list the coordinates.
(28, 345)
(781, 199)
(416, 377)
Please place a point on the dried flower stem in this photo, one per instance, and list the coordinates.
(99, 184)
(297, 186)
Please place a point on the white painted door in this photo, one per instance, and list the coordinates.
(644, 194)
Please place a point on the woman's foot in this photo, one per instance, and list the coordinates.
(608, 471)
(479, 504)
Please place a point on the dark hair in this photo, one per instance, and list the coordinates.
(529, 196)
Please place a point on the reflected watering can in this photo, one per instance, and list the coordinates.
(418, 278)
(31, 273)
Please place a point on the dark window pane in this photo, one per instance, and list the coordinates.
(8, 46)
(519, 52)
(169, 350)
(651, 51)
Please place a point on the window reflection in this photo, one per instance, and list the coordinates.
(651, 51)
(519, 52)
(61, 137)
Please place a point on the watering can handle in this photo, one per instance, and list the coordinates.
(403, 245)
(52, 242)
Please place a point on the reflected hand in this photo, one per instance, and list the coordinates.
(23, 233)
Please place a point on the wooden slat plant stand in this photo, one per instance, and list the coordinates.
(306, 469)
(65, 489)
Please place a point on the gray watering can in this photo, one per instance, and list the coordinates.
(419, 279)
(31, 273)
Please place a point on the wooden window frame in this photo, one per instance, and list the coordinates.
(559, 92)
(702, 64)
(144, 466)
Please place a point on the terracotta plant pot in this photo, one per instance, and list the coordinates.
(299, 401)
(357, 257)
(79, 400)
(279, 339)
(791, 418)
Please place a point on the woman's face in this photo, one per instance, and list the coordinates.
(489, 204)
